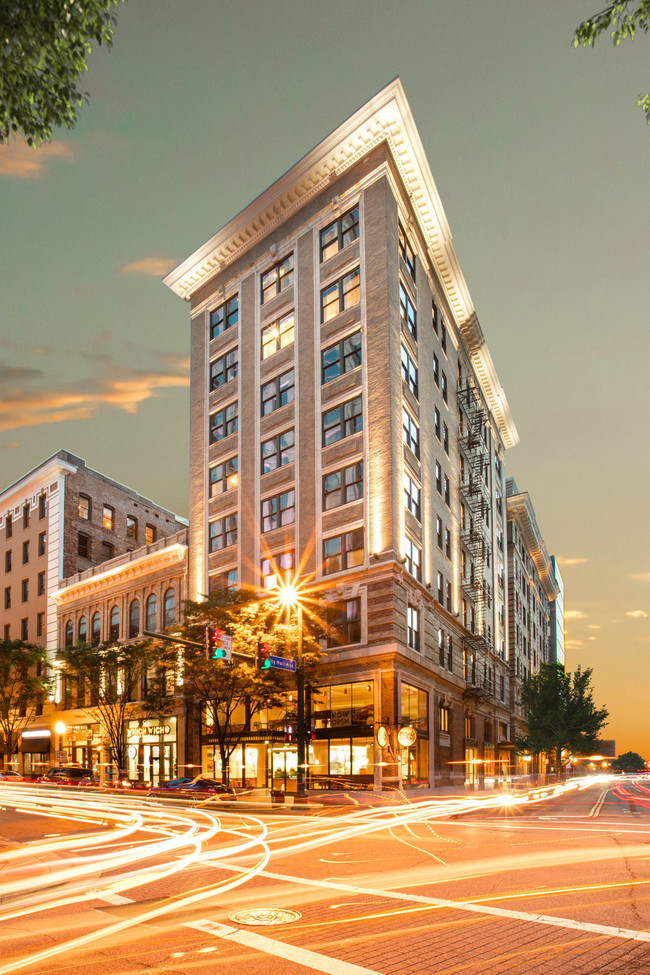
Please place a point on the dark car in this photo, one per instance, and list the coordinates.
(69, 775)
(9, 775)
(200, 785)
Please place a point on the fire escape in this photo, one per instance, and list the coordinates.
(475, 535)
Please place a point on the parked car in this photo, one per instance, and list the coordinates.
(69, 775)
(200, 785)
(9, 775)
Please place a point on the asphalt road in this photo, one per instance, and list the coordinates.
(110, 884)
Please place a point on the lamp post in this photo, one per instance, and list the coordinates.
(60, 729)
(289, 596)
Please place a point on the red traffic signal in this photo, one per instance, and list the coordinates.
(214, 642)
(263, 655)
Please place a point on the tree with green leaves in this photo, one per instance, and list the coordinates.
(227, 696)
(115, 683)
(23, 686)
(44, 46)
(622, 19)
(628, 762)
(560, 713)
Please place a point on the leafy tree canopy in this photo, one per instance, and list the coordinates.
(628, 762)
(622, 19)
(560, 713)
(44, 45)
(22, 687)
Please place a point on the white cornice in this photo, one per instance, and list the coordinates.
(33, 484)
(385, 118)
(138, 569)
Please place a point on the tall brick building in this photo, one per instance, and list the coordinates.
(347, 423)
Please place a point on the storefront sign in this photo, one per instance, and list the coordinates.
(155, 730)
(341, 718)
(382, 737)
(407, 736)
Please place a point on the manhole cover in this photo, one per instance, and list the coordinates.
(264, 915)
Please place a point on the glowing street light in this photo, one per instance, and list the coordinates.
(288, 595)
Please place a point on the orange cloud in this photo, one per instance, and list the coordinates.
(575, 614)
(637, 614)
(149, 267)
(641, 577)
(570, 561)
(19, 161)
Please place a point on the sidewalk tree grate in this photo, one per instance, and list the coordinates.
(265, 916)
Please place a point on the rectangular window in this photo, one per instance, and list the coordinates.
(445, 439)
(26, 516)
(24, 629)
(42, 505)
(444, 723)
(412, 496)
(343, 551)
(224, 581)
(342, 421)
(42, 543)
(225, 316)
(339, 234)
(447, 491)
(447, 543)
(439, 532)
(406, 251)
(223, 476)
(149, 534)
(414, 707)
(342, 486)
(450, 652)
(440, 588)
(223, 533)
(407, 312)
(8, 560)
(224, 422)
(40, 584)
(40, 620)
(276, 568)
(341, 358)
(413, 556)
(436, 423)
(443, 336)
(278, 451)
(25, 552)
(435, 317)
(344, 623)
(277, 279)
(24, 590)
(278, 392)
(8, 526)
(410, 433)
(278, 335)
(107, 551)
(84, 507)
(441, 647)
(409, 372)
(340, 295)
(443, 386)
(108, 517)
(132, 528)
(223, 369)
(7, 597)
(413, 628)
(278, 511)
(438, 478)
(83, 545)
(436, 370)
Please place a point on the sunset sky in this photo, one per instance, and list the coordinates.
(542, 160)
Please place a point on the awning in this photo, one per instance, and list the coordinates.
(36, 745)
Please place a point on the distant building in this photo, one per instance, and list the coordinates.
(532, 590)
(557, 618)
(347, 424)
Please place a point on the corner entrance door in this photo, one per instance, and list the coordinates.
(285, 769)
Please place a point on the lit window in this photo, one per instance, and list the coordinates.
(339, 234)
(277, 279)
(277, 568)
(223, 317)
(340, 295)
(131, 528)
(278, 335)
(84, 507)
(342, 421)
(444, 722)
(223, 476)
(149, 534)
(108, 517)
(340, 358)
(223, 369)
(342, 486)
(278, 451)
(278, 392)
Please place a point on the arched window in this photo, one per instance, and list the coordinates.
(134, 618)
(152, 612)
(169, 615)
(69, 634)
(97, 630)
(114, 626)
(82, 630)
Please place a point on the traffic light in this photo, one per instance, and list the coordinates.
(263, 655)
(214, 643)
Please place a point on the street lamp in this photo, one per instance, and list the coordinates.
(60, 729)
(288, 595)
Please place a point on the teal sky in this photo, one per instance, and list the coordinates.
(542, 161)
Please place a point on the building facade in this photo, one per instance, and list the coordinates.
(348, 427)
(557, 618)
(532, 592)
